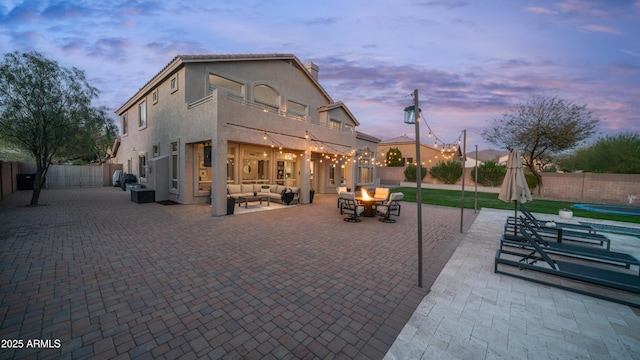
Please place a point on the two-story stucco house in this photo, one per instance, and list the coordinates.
(206, 121)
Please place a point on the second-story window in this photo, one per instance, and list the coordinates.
(296, 109)
(234, 87)
(142, 115)
(125, 124)
(266, 95)
(174, 83)
(335, 125)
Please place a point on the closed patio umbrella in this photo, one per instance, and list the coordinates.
(514, 186)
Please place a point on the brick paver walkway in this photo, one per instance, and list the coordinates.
(97, 275)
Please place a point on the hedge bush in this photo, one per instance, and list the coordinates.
(410, 172)
(490, 173)
(448, 172)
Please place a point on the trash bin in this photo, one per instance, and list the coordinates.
(231, 204)
(25, 181)
(127, 179)
(130, 186)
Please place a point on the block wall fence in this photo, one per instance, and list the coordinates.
(10, 169)
(615, 189)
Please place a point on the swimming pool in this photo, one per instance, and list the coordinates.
(611, 209)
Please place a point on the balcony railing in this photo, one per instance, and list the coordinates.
(271, 110)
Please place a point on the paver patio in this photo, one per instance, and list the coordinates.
(111, 278)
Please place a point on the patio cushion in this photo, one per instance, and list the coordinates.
(234, 188)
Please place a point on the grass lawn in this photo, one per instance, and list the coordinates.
(452, 198)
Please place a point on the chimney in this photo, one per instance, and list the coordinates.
(313, 69)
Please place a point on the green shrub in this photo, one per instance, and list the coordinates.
(448, 172)
(394, 157)
(410, 172)
(532, 180)
(490, 173)
(616, 154)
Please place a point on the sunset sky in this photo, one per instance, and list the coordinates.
(470, 60)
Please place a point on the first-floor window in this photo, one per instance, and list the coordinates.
(365, 175)
(231, 164)
(174, 166)
(142, 167)
(365, 167)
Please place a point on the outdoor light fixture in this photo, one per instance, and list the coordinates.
(411, 116)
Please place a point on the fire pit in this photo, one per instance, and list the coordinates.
(368, 202)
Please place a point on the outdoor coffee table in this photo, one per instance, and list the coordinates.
(246, 200)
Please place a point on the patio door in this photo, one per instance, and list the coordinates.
(202, 169)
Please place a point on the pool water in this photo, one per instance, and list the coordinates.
(611, 209)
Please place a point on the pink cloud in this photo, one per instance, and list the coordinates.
(600, 28)
(541, 10)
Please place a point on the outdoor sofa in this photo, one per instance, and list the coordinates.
(273, 192)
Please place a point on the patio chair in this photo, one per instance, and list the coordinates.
(339, 190)
(349, 206)
(391, 207)
(381, 195)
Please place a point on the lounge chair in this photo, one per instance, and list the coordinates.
(593, 278)
(391, 207)
(575, 251)
(564, 225)
(349, 206)
(561, 231)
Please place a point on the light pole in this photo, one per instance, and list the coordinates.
(463, 160)
(412, 116)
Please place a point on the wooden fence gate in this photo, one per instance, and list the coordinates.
(60, 176)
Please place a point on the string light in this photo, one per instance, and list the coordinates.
(447, 150)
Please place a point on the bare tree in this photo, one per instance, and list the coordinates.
(42, 105)
(541, 127)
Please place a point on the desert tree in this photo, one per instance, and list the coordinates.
(541, 128)
(42, 106)
(93, 141)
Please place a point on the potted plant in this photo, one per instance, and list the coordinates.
(565, 213)
(311, 193)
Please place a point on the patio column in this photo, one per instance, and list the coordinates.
(219, 177)
(305, 177)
